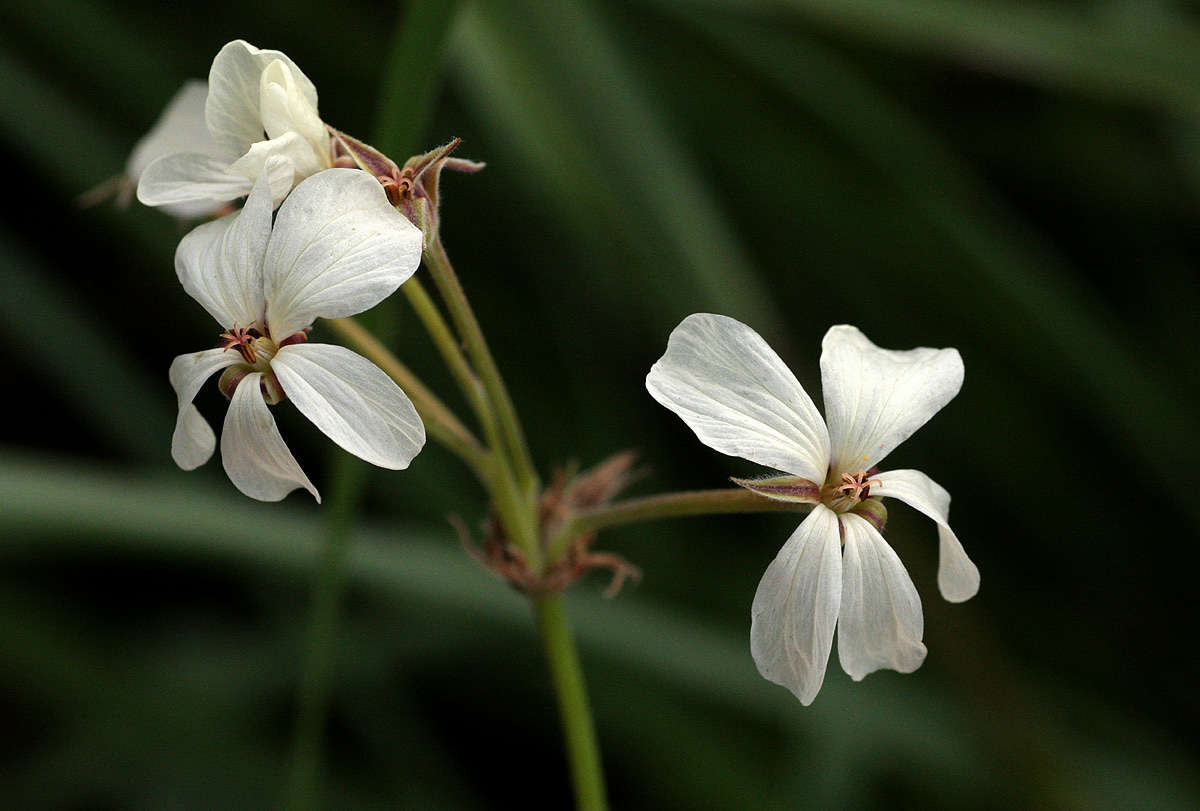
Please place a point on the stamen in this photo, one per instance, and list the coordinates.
(241, 339)
(856, 487)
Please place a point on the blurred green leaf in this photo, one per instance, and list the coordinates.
(1090, 48)
(549, 76)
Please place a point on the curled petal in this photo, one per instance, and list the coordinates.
(796, 607)
(191, 178)
(880, 624)
(352, 401)
(233, 109)
(876, 398)
(252, 451)
(285, 160)
(338, 248)
(285, 108)
(193, 441)
(958, 578)
(739, 398)
(219, 263)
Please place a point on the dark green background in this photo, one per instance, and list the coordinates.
(1019, 181)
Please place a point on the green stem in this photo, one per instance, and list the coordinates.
(303, 780)
(468, 327)
(448, 346)
(667, 505)
(440, 422)
(579, 732)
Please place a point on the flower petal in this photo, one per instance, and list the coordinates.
(958, 579)
(796, 607)
(180, 128)
(252, 451)
(286, 160)
(338, 248)
(233, 110)
(880, 624)
(193, 441)
(219, 263)
(352, 401)
(189, 177)
(285, 108)
(739, 398)
(876, 398)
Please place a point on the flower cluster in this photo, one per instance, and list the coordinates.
(327, 231)
(335, 248)
(739, 398)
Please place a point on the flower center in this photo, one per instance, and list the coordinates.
(256, 350)
(846, 494)
(251, 345)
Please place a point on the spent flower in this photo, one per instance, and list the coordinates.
(337, 248)
(739, 398)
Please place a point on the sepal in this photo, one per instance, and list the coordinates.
(783, 488)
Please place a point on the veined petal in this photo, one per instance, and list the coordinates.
(958, 579)
(233, 110)
(219, 263)
(352, 401)
(193, 441)
(876, 398)
(338, 248)
(190, 177)
(252, 451)
(796, 607)
(880, 624)
(738, 397)
(286, 160)
(180, 128)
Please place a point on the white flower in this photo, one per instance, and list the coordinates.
(337, 248)
(739, 398)
(261, 115)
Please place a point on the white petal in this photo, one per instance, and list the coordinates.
(235, 88)
(254, 454)
(338, 248)
(219, 263)
(796, 607)
(193, 441)
(880, 624)
(287, 160)
(352, 401)
(285, 108)
(739, 398)
(876, 398)
(958, 579)
(189, 177)
(180, 128)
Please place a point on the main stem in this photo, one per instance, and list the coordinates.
(579, 732)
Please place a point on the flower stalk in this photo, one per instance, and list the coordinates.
(468, 327)
(668, 505)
